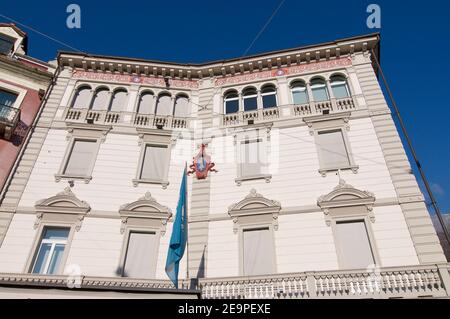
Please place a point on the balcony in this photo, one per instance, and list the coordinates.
(396, 282)
(124, 118)
(400, 282)
(288, 111)
(9, 118)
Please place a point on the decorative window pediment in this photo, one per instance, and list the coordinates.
(63, 207)
(346, 201)
(145, 212)
(254, 209)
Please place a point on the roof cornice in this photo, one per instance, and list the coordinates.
(263, 61)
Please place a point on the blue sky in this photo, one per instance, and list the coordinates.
(415, 46)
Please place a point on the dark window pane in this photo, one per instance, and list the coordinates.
(269, 100)
(250, 103)
(232, 106)
(6, 45)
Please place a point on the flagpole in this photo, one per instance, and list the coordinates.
(187, 226)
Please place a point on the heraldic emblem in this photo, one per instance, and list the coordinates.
(201, 164)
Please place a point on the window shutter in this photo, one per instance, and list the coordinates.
(156, 162)
(145, 104)
(164, 106)
(353, 244)
(82, 99)
(81, 157)
(258, 252)
(119, 101)
(181, 107)
(101, 100)
(141, 256)
(253, 157)
(332, 149)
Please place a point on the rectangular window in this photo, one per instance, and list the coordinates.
(253, 155)
(141, 255)
(340, 90)
(320, 93)
(50, 251)
(332, 149)
(269, 100)
(300, 96)
(6, 44)
(353, 245)
(7, 98)
(258, 252)
(81, 158)
(155, 163)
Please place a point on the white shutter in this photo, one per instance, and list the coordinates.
(141, 257)
(119, 101)
(156, 162)
(253, 156)
(353, 244)
(164, 106)
(81, 158)
(82, 98)
(146, 104)
(258, 252)
(101, 100)
(332, 149)
(181, 107)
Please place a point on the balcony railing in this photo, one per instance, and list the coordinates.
(140, 120)
(396, 282)
(404, 282)
(286, 111)
(9, 117)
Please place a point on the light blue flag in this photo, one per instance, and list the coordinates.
(179, 235)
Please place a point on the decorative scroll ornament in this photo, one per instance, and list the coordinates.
(201, 164)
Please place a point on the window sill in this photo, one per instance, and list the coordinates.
(324, 171)
(266, 177)
(72, 178)
(164, 184)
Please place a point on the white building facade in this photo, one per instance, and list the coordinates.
(313, 196)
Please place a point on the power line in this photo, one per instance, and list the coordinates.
(413, 152)
(40, 33)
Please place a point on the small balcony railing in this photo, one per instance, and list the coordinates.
(125, 118)
(286, 111)
(9, 118)
(399, 282)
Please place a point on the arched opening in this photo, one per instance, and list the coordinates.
(101, 99)
(319, 90)
(299, 92)
(181, 106)
(250, 97)
(146, 103)
(119, 100)
(231, 102)
(339, 87)
(269, 96)
(82, 97)
(164, 104)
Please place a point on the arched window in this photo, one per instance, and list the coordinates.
(101, 99)
(299, 93)
(250, 97)
(146, 103)
(339, 86)
(181, 106)
(119, 100)
(231, 102)
(319, 90)
(82, 98)
(269, 96)
(164, 104)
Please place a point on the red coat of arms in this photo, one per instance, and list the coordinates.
(201, 164)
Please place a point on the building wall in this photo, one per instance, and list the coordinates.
(303, 241)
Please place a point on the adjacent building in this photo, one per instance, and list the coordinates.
(311, 195)
(23, 86)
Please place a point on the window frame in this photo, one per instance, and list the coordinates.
(14, 90)
(30, 264)
(257, 225)
(343, 80)
(124, 251)
(148, 139)
(331, 122)
(322, 84)
(96, 133)
(274, 93)
(226, 99)
(370, 235)
(239, 140)
(293, 88)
